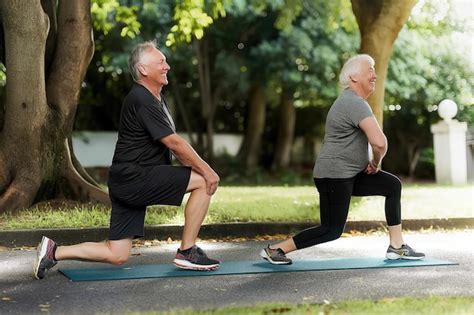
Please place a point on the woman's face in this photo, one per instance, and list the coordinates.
(366, 77)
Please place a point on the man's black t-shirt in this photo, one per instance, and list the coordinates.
(143, 121)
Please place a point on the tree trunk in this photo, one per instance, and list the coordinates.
(208, 99)
(181, 108)
(413, 157)
(286, 131)
(35, 159)
(380, 21)
(50, 8)
(26, 27)
(250, 149)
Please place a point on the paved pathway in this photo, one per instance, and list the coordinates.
(20, 293)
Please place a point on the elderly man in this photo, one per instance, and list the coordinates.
(141, 174)
(343, 168)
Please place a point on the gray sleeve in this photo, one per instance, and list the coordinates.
(361, 110)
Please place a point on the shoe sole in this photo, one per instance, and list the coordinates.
(394, 256)
(41, 253)
(265, 256)
(184, 264)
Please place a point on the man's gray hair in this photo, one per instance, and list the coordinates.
(136, 57)
(352, 67)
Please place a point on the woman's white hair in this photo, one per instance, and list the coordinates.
(352, 67)
(136, 57)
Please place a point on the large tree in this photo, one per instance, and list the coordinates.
(380, 21)
(47, 49)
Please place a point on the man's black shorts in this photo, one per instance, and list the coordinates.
(159, 185)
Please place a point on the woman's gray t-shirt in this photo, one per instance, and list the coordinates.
(344, 152)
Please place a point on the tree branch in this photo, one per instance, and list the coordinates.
(82, 190)
(50, 8)
(74, 50)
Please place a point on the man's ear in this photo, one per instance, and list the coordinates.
(352, 79)
(142, 70)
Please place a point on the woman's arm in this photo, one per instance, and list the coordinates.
(376, 138)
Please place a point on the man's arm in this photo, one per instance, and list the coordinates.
(377, 140)
(187, 156)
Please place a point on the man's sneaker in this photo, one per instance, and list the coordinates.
(275, 256)
(194, 258)
(45, 259)
(404, 252)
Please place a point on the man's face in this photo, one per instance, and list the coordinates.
(155, 66)
(366, 77)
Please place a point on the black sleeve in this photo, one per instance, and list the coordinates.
(154, 120)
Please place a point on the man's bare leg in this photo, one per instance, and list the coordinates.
(113, 252)
(196, 209)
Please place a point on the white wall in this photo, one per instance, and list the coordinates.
(96, 149)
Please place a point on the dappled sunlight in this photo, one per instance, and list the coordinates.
(14, 265)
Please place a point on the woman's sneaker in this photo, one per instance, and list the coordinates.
(275, 256)
(194, 258)
(45, 257)
(404, 252)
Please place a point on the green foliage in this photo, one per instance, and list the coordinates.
(298, 46)
(428, 64)
(107, 14)
(3, 75)
(290, 10)
(466, 114)
(436, 18)
(309, 57)
(192, 17)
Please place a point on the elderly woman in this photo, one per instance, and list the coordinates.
(344, 169)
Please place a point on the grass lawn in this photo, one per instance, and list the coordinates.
(261, 203)
(395, 306)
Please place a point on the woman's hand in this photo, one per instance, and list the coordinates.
(372, 167)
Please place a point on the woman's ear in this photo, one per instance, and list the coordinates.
(352, 79)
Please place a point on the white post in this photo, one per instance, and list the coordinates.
(449, 146)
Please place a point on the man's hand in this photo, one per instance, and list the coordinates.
(212, 181)
(187, 156)
(372, 167)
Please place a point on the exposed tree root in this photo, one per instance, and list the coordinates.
(82, 189)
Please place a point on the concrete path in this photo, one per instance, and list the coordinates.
(20, 293)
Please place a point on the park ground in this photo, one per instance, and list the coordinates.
(429, 290)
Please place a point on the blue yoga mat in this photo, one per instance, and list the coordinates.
(242, 267)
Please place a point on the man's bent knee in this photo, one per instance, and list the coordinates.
(118, 259)
(119, 251)
(196, 181)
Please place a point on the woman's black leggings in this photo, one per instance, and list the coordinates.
(335, 196)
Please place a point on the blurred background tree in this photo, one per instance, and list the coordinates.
(429, 64)
(272, 75)
(268, 70)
